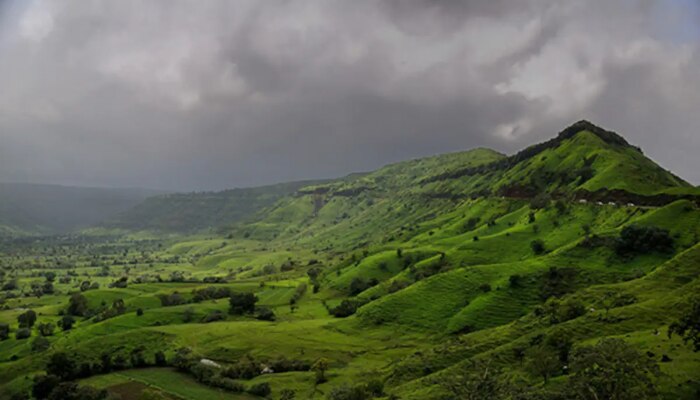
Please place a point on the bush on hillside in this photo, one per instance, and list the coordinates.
(260, 389)
(538, 247)
(23, 333)
(345, 309)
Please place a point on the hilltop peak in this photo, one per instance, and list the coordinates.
(607, 136)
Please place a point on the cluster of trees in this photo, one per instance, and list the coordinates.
(557, 282)
(246, 368)
(688, 326)
(346, 308)
(210, 293)
(62, 370)
(635, 239)
(298, 294)
(314, 276)
(26, 321)
(359, 285)
(610, 369)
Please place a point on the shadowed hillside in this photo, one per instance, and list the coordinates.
(33, 208)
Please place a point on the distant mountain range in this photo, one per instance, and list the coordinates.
(44, 209)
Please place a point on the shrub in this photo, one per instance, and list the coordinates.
(46, 328)
(159, 359)
(515, 280)
(345, 309)
(23, 333)
(43, 385)
(216, 315)
(40, 344)
(485, 287)
(173, 299)
(27, 319)
(77, 305)
(265, 314)
(66, 322)
(260, 389)
(346, 392)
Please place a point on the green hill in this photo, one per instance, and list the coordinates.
(192, 212)
(465, 275)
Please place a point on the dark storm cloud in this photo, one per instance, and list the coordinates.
(212, 94)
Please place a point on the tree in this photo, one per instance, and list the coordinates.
(159, 359)
(73, 391)
(242, 303)
(537, 246)
(480, 381)
(61, 365)
(46, 328)
(540, 201)
(27, 319)
(85, 286)
(44, 385)
(4, 331)
(66, 323)
(139, 312)
(612, 370)
(47, 288)
(320, 367)
(688, 327)
(543, 363)
(77, 305)
(265, 314)
(515, 280)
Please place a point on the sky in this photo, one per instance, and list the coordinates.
(212, 94)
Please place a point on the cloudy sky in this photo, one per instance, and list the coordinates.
(208, 94)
